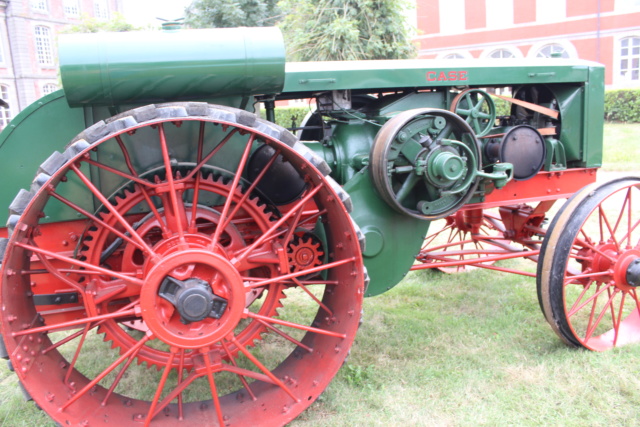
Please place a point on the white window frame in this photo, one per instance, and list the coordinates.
(2, 51)
(101, 9)
(43, 45)
(566, 45)
(464, 54)
(517, 53)
(5, 113)
(40, 6)
(71, 8)
(618, 80)
(48, 88)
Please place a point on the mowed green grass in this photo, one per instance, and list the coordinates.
(464, 349)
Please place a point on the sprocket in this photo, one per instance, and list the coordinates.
(99, 244)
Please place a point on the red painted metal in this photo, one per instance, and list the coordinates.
(542, 187)
(117, 260)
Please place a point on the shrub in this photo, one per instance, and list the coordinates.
(286, 116)
(622, 105)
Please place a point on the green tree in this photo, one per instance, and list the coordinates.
(326, 30)
(94, 25)
(230, 13)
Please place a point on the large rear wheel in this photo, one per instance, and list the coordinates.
(193, 239)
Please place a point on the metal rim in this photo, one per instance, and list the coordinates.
(395, 189)
(225, 381)
(585, 276)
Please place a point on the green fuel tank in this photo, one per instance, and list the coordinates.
(145, 67)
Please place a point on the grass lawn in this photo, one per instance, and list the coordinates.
(462, 349)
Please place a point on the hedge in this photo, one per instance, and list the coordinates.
(286, 115)
(622, 105)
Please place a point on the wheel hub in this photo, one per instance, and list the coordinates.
(194, 311)
(193, 299)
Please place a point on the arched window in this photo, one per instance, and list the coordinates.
(553, 50)
(43, 45)
(630, 59)
(454, 56)
(5, 112)
(501, 54)
(48, 88)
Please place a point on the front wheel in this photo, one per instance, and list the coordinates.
(589, 268)
(213, 232)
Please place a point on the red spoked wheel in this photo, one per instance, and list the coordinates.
(464, 236)
(164, 217)
(590, 267)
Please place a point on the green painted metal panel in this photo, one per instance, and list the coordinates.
(392, 240)
(318, 76)
(146, 67)
(42, 128)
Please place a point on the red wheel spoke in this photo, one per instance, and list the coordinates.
(117, 379)
(177, 205)
(208, 157)
(588, 275)
(95, 219)
(105, 202)
(161, 385)
(180, 373)
(624, 204)
(78, 263)
(260, 366)
(79, 322)
(260, 283)
(603, 216)
(140, 187)
(234, 186)
(241, 376)
(616, 324)
(285, 335)
(60, 276)
(121, 174)
(313, 297)
(212, 386)
(250, 190)
(76, 353)
(131, 352)
(196, 187)
(585, 244)
(582, 294)
(629, 219)
(177, 392)
(592, 298)
(270, 231)
(595, 324)
(294, 325)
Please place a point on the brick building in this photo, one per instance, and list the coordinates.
(28, 58)
(606, 31)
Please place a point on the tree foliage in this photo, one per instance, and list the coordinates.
(326, 30)
(230, 13)
(94, 25)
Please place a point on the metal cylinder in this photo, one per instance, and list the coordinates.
(142, 67)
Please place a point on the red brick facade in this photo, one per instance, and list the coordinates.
(607, 31)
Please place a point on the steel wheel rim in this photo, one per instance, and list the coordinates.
(591, 301)
(278, 393)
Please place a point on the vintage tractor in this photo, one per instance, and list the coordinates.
(179, 259)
